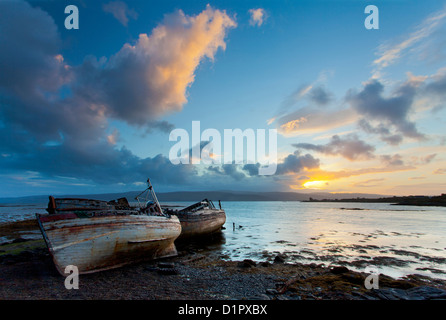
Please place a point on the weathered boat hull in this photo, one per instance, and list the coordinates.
(104, 242)
(201, 223)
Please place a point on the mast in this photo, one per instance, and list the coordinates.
(154, 195)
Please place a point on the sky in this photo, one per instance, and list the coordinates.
(90, 109)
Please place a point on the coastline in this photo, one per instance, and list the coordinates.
(430, 201)
(27, 272)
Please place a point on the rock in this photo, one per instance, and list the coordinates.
(417, 293)
(271, 291)
(279, 259)
(363, 296)
(392, 294)
(168, 271)
(165, 265)
(426, 293)
(265, 264)
(339, 270)
(260, 297)
(151, 268)
(18, 240)
(7, 259)
(247, 263)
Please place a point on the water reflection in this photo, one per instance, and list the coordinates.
(401, 240)
(207, 243)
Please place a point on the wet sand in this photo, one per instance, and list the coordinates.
(197, 273)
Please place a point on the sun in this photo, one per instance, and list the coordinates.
(315, 184)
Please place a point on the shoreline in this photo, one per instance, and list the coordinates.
(428, 201)
(27, 272)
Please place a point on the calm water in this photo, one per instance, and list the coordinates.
(397, 240)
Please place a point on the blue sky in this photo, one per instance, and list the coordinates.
(89, 110)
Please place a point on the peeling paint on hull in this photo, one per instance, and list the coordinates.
(106, 242)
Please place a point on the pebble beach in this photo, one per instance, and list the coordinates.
(197, 273)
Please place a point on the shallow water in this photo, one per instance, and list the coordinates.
(395, 240)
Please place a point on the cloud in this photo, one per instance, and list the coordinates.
(422, 160)
(316, 94)
(230, 170)
(100, 163)
(391, 112)
(392, 160)
(368, 183)
(391, 53)
(29, 58)
(440, 171)
(389, 164)
(291, 164)
(310, 120)
(350, 147)
(417, 178)
(382, 130)
(163, 126)
(295, 163)
(150, 78)
(324, 175)
(320, 95)
(438, 85)
(113, 137)
(257, 16)
(120, 11)
(307, 110)
(54, 117)
(252, 169)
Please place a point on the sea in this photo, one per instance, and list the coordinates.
(388, 239)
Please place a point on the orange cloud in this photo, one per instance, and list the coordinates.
(319, 178)
(150, 78)
(258, 16)
(311, 120)
(292, 125)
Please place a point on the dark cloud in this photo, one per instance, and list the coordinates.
(163, 126)
(29, 61)
(294, 163)
(422, 160)
(252, 169)
(320, 95)
(230, 170)
(395, 160)
(428, 159)
(32, 75)
(437, 88)
(350, 147)
(99, 163)
(392, 112)
(120, 11)
(316, 96)
(382, 131)
(438, 85)
(54, 118)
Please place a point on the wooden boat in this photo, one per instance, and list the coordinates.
(96, 235)
(200, 219)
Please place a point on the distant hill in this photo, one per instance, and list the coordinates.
(199, 195)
